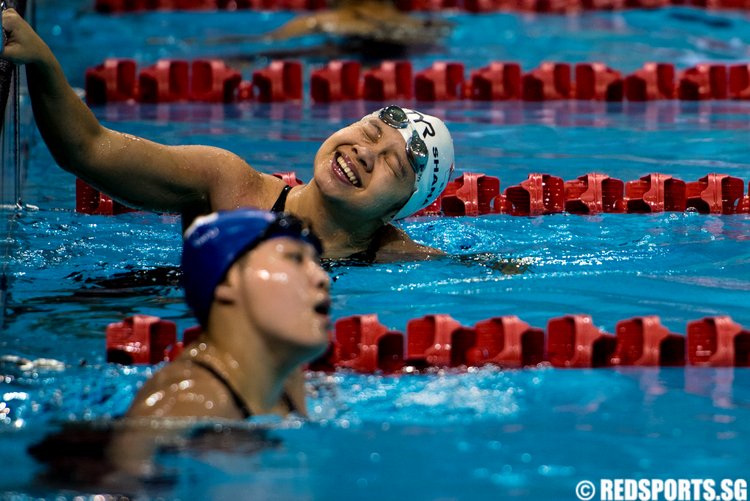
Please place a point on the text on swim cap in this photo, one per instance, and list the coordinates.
(429, 130)
(435, 179)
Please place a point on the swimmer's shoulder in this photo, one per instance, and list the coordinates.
(184, 389)
(394, 244)
(257, 190)
(232, 182)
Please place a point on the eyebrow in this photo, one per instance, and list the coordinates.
(402, 158)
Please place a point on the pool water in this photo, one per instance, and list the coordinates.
(483, 433)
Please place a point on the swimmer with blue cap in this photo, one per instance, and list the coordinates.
(384, 167)
(254, 282)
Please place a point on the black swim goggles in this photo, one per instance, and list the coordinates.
(416, 149)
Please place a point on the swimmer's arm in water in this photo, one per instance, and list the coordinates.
(141, 173)
(333, 22)
(394, 244)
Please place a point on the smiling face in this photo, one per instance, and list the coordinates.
(284, 293)
(364, 169)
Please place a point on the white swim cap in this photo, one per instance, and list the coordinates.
(431, 182)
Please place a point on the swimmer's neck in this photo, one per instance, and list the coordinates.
(342, 234)
(256, 371)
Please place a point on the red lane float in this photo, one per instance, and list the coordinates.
(342, 80)
(429, 341)
(703, 82)
(92, 201)
(390, 81)
(594, 193)
(362, 344)
(475, 194)
(655, 193)
(338, 81)
(507, 342)
(643, 341)
(652, 82)
(113, 80)
(365, 345)
(289, 178)
(281, 81)
(718, 342)
(539, 195)
(496, 82)
(214, 82)
(597, 82)
(739, 81)
(548, 82)
(443, 81)
(715, 194)
(202, 80)
(140, 339)
(470, 194)
(574, 341)
(167, 81)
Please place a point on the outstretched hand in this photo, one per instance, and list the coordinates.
(22, 45)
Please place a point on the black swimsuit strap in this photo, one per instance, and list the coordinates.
(288, 401)
(280, 203)
(241, 405)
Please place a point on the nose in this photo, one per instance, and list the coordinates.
(365, 156)
(319, 276)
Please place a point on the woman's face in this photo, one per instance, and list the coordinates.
(364, 168)
(284, 294)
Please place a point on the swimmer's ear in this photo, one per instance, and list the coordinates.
(226, 291)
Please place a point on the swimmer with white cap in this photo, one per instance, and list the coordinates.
(254, 281)
(386, 166)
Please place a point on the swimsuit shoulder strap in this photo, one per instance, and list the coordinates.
(280, 203)
(246, 412)
(289, 403)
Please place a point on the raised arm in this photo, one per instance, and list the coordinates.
(141, 173)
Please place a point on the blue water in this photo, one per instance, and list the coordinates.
(451, 435)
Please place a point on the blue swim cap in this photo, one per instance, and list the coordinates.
(215, 241)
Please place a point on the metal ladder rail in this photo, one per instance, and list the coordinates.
(11, 174)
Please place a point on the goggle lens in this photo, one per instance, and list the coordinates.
(416, 149)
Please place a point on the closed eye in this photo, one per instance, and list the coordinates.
(296, 256)
(372, 131)
(396, 166)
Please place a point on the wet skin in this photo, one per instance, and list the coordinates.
(270, 315)
(364, 169)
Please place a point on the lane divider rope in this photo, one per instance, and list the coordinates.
(211, 80)
(362, 344)
(475, 194)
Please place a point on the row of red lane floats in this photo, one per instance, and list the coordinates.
(477, 6)
(474, 194)
(211, 80)
(541, 194)
(361, 343)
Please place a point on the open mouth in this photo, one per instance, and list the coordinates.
(344, 169)
(323, 308)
